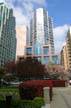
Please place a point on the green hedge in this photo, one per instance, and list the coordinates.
(35, 103)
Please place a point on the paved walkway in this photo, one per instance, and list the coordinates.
(61, 98)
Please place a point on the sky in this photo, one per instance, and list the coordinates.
(59, 10)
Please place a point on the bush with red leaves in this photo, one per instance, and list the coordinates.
(30, 68)
(34, 88)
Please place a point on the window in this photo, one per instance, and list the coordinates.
(46, 50)
(29, 51)
(37, 49)
(46, 60)
(55, 59)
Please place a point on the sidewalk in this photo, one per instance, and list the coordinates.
(61, 98)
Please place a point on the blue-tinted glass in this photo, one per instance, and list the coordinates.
(29, 51)
(55, 59)
(37, 49)
(53, 51)
(46, 50)
(46, 60)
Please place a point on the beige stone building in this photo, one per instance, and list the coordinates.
(68, 42)
(65, 57)
(65, 54)
(21, 40)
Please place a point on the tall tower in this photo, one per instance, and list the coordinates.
(63, 57)
(40, 43)
(21, 34)
(7, 35)
(68, 42)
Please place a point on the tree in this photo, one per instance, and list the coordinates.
(2, 73)
(50, 67)
(30, 68)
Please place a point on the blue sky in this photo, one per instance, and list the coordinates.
(59, 10)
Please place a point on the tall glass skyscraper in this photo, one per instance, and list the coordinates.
(40, 42)
(7, 35)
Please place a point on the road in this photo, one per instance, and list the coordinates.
(61, 98)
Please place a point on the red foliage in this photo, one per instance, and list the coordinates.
(44, 83)
(38, 85)
(30, 68)
(59, 83)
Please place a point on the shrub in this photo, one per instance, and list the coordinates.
(35, 103)
(33, 88)
(59, 83)
(38, 102)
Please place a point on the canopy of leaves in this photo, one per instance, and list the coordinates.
(30, 68)
(2, 71)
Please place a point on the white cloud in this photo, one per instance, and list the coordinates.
(23, 9)
(60, 37)
(2, 1)
(20, 17)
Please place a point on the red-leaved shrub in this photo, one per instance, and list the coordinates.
(33, 88)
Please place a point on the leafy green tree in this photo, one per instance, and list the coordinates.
(50, 67)
(2, 72)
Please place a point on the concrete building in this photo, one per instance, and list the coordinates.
(7, 35)
(21, 32)
(40, 42)
(64, 58)
(68, 41)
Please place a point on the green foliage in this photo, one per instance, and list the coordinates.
(50, 63)
(38, 102)
(9, 90)
(2, 104)
(2, 71)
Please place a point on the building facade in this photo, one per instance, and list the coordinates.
(63, 57)
(21, 33)
(40, 42)
(68, 41)
(7, 35)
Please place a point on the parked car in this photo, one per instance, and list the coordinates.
(69, 82)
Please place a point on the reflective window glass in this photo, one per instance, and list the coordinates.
(46, 50)
(55, 59)
(46, 60)
(29, 51)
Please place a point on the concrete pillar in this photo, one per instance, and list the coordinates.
(46, 97)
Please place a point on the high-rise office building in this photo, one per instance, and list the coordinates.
(40, 42)
(21, 34)
(7, 35)
(68, 42)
